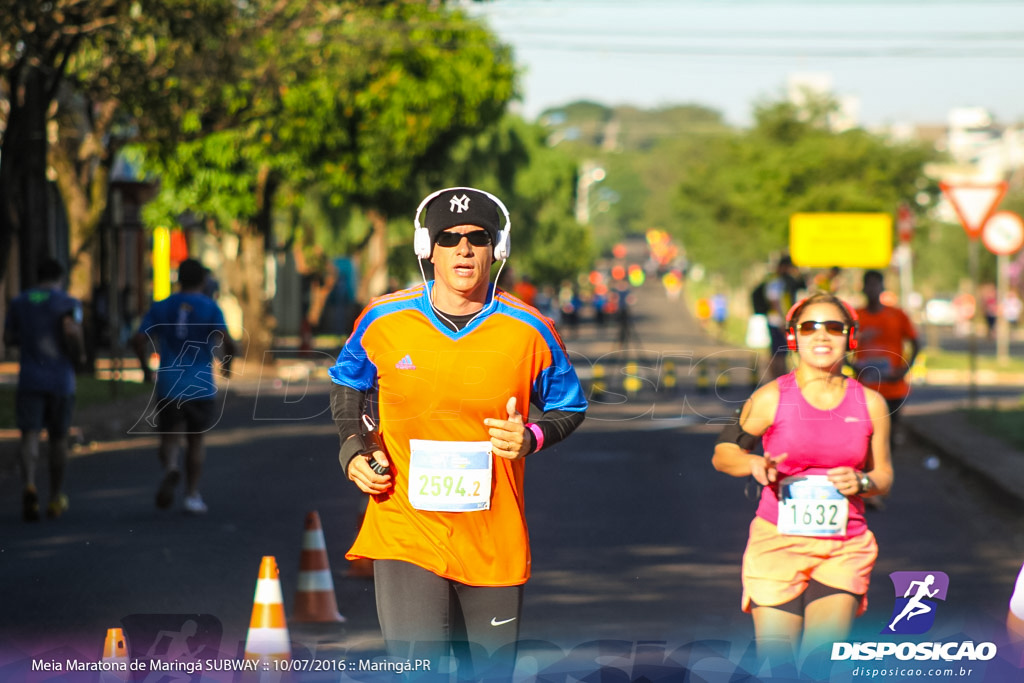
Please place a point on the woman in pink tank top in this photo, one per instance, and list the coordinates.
(825, 438)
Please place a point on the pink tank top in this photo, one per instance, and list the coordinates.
(816, 441)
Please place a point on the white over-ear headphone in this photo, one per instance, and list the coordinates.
(422, 245)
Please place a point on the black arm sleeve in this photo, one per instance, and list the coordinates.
(347, 411)
(558, 424)
(733, 433)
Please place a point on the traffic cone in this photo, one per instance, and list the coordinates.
(919, 370)
(722, 380)
(668, 377)
(314, 597)
(631, 382)
(598, 387)
(703, 382)
(115, 653)
(267, 639)
(754, 378)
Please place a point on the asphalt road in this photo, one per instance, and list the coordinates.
(636, 539)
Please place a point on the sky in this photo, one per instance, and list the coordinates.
(902, 61)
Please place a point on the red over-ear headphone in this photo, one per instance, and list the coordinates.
(851, 336)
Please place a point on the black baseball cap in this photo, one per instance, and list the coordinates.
(462, 206)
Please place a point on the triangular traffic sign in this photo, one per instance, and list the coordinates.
(974, 203)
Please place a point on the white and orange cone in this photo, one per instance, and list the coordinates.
(267, 639)
(115, 653)
(314, 597)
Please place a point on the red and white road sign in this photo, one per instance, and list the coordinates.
(1003, 233)
(974, 203)
(905, 223)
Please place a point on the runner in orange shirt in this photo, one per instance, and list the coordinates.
(882, 360)
(457, 363)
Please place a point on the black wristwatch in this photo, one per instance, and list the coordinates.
(864, 482)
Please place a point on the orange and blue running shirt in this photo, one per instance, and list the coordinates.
(440, 385)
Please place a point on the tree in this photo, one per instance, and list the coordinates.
(83, 65)
(124, 85)
(437, 78)
(657, 148)
(644, 154)
(36, 42)
(738, 192)
(358, 100)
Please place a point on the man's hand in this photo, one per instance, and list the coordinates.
(508, 437)
(365, 478)
(74, 343)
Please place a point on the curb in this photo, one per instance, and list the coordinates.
(950, 435)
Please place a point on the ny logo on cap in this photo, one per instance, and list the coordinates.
(459, 204)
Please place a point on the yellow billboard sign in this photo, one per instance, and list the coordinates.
(846, 240)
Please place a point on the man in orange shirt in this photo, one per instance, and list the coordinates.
(882, 360)
(456, 363)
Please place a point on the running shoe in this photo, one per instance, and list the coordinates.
(57, 507)
(194, 505)
(30, 505)
(165, 494)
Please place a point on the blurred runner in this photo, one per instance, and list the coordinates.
(188, 329)
(772, 298)
(828, 280)
(46, 324)
(887, 348)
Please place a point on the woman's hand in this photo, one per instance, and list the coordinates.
(766, 468)
(845, 479)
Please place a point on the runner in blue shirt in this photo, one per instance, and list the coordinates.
(46, 324)
(188, 329)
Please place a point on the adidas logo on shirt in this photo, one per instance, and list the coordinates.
(405, 364)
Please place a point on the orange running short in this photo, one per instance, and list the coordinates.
(777, 568)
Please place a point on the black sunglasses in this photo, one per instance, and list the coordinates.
(836, 328)
(478, 238)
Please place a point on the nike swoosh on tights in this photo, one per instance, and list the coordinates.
(495, 622)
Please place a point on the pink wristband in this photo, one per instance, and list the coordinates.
(538, 435)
